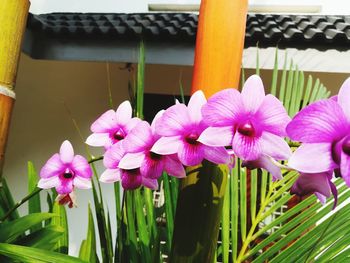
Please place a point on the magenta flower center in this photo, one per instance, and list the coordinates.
(68, 174)
(346, 146)
(155, 156)
(246, 129)
(119, 135)
(192, 138)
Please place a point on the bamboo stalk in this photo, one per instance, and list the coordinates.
(218, 57)
(13, 17)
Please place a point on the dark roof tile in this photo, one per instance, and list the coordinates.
(300, 31)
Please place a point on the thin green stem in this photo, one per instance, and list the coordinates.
(95, 159)
(21, 202)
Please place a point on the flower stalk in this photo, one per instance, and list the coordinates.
(218, 56)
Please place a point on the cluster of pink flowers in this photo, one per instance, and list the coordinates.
(249, 125)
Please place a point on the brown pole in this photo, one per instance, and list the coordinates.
(13, 18)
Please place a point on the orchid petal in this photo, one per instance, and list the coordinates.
(308, 183)
(322, 121)
(344, 98)
(275, 146)
(345, 167)
(223, 108)
(217, 136)
(81, 167)
(247, 148)
(253, 93)
(65, 187)
(132, 161)
(131, 180)
(167, 145)
(313, 158)
(113, 156)
(66, 152)
(155, 119)
(195, 105)
(174, 167)
(110, 176)
(98, 139)
(150, 183)
(124, 113)
(273, 116)
(132, 123)
(105, 122)
(139, 138)
(216, 155)
(82, 183)
(266, 163)
(191, 155)
(152, 168)
(47, 183)
(174, 120)
(53, 167)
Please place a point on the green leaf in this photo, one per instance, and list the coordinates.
(6, 200)
(35, 255)
(140, 81)
(34, 205)
(44, 238)
(225, 226)
(61, 220)
(88, 248)
(9, 231)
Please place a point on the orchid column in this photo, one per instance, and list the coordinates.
(13, 18)
(218, 56)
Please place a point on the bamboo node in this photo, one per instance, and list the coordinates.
(6, 91)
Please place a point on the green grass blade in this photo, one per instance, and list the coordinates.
(132, 244)
(275, 75)
(6, 200)
(61, 220)
(44, 238)
(307, 94)
(142, 228)
(168, 212)
(35, 255)
(291, 73)
(140, 81)
(283, 80)
(33, 203)
(243, 203)
(88, 248)
(10, 231)
(234, 210)
(225, 226)
(257, 72)
(253, 193)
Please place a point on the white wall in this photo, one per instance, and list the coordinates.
(102, 6)
(130, 6)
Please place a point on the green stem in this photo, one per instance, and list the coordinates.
(21, 202)
(95, 159)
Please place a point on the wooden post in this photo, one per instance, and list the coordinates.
(218, 58)
(13, 18)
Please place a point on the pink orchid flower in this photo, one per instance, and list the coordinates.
(138, 146)
(324, 129)
(66, 171)
(130, 178)
(319, 184)
(112, 126)
(180, 128)
(250, 122)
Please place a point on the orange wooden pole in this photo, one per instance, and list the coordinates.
(218, 58)
(13, 18)
(219, 47)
